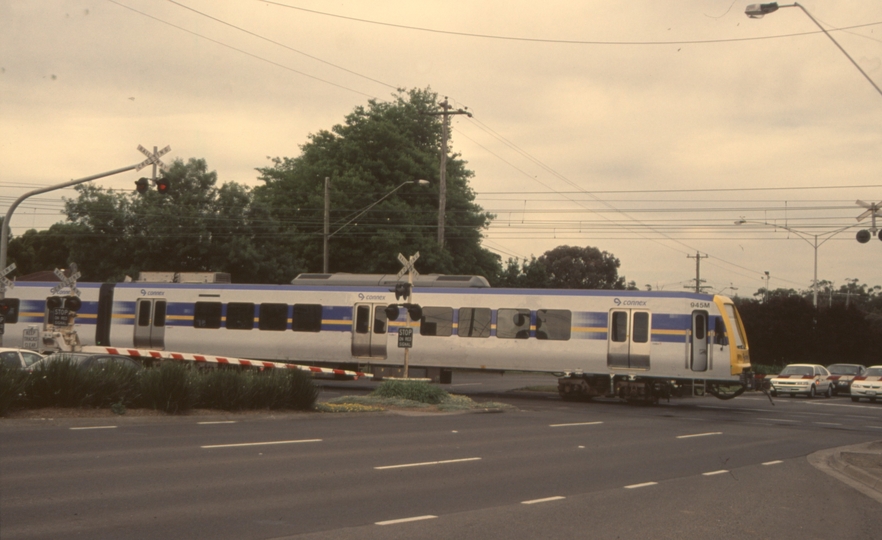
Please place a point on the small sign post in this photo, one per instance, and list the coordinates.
(407, 336)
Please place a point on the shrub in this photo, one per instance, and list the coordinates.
(60, 383)
(12, 387)
(170, 387)
(420, 391)
(111, 384)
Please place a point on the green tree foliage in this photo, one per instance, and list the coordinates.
(783, 327)
(379, 147)
(566, 267)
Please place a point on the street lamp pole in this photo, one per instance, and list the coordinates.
(362, 212)
(757, 11)
(803, 235)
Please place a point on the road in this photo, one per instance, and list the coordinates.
(691, 468)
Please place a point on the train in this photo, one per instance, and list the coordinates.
(635, 345)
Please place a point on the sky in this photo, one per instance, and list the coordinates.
(646, 129)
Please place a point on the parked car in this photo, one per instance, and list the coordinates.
(868, 385)
(808, 379)
(19, 358)
(842, 375)
(87, 360)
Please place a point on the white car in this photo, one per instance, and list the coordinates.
(868, 385)
(808, 379)
(19, 358)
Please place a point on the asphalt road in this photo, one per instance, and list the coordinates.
(693, 468)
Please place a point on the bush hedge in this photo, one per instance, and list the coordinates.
(170, 387)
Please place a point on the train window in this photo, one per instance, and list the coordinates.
(240, 316)
(273, 317)
(307, 318)
(362, 319)
(720, 337)
(159, 313)
(641, 327)
(513, 323)
(436, 321)
(619, 326)
(554, 324)
(207, 315)
(474, 322)
(144, 313)
(737, 333)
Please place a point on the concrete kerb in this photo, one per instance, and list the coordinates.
(859, 466)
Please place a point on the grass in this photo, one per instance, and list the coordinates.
(408, 395)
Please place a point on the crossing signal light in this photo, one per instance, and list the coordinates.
(142, 184)
(162, 186)
(9, 310)
(73, 303)
(402, 290)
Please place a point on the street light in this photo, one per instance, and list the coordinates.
(805, 236)
(757, 11)
(362, 212)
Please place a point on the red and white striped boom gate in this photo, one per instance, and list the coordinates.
(223, 360)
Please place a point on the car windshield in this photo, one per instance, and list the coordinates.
(843, 369)
(797, 370)
(874, 372)
(70, 357)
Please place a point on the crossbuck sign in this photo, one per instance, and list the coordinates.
(67, 281)
(408, 265)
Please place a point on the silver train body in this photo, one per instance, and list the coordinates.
(632, 344)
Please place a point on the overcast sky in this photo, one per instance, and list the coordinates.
(643, 128)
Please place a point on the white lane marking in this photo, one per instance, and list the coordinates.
(713, 473)
(547, 499)
(216, 422)
(645, 484)
(731, 408)
(426, 463)
(700, 435)
(827, 423)
(93, 427)
(575, 424)
(259, 443)
(779, 420)
(776, 462)
(404, 520)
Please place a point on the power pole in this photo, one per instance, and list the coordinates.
(698, 281)
(442, 186)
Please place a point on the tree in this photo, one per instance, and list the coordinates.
(582, 268)
(378, 148)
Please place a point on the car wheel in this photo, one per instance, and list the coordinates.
(829, 393)
(872, 400)
(812, 392)
(773, 393)
(855, 399)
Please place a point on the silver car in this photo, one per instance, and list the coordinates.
(868, 385)
(806, 379)
(19, 358)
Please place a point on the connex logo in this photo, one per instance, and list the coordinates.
(620, 302)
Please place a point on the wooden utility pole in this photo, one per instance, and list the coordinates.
(698, 281)
(442, 186)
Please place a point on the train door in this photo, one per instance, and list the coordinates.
(150, 324)
(698, 352)
(628, 342)
(369, 325)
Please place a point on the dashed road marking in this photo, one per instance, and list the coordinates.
(260, 443)
(93, 427)
(776, 462)
(404, 520)
(575, 424)
(426, 463)
(714, 473)
(644, 484)
(547, 499)
(700, 435)
(216, 422)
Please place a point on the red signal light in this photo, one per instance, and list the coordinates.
(141, 185)
(162, 186)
